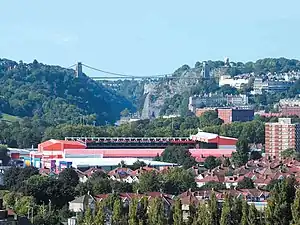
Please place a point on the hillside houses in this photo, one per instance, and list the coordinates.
(261, 172)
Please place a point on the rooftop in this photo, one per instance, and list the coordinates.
(91, 162)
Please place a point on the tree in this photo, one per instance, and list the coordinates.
(179, 155)
(10, 199)
(88, 217)
(133, 210)
(237, 207)
(177, 215)
(137, 165)
(15, 176)
(213, 185)
(100, 215)
(255, 155)
(202, 215)
(35, 186)
(148, 181)
(240, 157)
(278, 209)
(69, 176)
(23, 204)
(142, 211)
(245, 211)
(98, 175)
(177, 180)
(121, 187)
(4, 155)
(211, 162)
(246, 183)
(156, 212)
(296, 209)
(213, 210)
(117, 212)
(209, 118)
(226, 216)
(253, 217)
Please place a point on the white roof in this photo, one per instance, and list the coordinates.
(204, 135)
(90, 162)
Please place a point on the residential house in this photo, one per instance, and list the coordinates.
(80, 204)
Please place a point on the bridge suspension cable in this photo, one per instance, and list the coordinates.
(125, 75)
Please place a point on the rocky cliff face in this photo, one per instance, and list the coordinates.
(156, 93)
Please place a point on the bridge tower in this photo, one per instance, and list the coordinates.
(78, 71)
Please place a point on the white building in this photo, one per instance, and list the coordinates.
(216, 100)
(270, 86)
(238, 83)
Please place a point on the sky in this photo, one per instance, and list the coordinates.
(147, 37)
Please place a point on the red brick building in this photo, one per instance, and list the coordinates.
(229, 115)
(287, 110)
(289, 107)
(281, 136)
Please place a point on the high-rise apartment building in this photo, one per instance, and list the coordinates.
(281, 136)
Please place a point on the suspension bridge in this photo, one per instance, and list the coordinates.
(108, 75)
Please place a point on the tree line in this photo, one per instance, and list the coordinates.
(32, 131)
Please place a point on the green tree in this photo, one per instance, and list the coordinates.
(156, 212)
(179, 155)
(133, 210)
(177, 214)
(142, 211)
(213, 185)
(88, 217)
(15, 176)
(69, 176)
(35, 186)
(296, 209)
(4, 157)
(237, 213)
(24, 203)
(177, 180)
(253, 216)
(137, 165)
(255, 155)
(202, 215)
(148, 181)
(209, 118)
(211, 162)
(117, 212)
(100, 214)
(245, 211)
(10, 199)
(226, 216)
(213, 210)
(246, 183)
(240, 157)
(278, 209)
